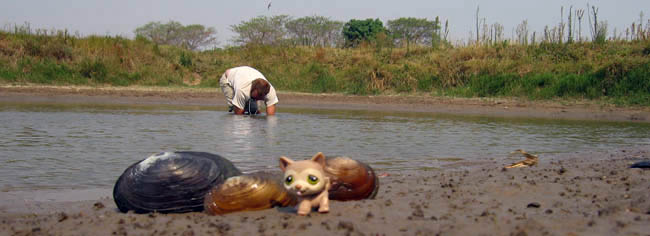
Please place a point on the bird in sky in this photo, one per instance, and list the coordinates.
(268, 7)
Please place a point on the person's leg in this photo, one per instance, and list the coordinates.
(227, 90)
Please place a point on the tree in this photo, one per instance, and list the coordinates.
(436, 36)
(160, 33)
(356, 31)
(314, 31)
(599, 29)
(522, 33)
(192, 37)
(478, 41)
(414, 30)
(261, 30)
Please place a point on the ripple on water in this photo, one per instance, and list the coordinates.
(90, 146)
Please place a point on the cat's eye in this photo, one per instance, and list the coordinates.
(312, 180)
(288, 180)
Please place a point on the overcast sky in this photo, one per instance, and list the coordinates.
(121, 17)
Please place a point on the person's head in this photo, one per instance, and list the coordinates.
(259, 89)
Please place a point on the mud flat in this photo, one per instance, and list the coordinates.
(584, 193)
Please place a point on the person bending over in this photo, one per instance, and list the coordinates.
(243, 86)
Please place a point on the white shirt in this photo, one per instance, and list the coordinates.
(241, 79)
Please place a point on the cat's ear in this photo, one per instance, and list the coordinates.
(284, 162)
(319, 158)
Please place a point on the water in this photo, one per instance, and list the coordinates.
(88, 146)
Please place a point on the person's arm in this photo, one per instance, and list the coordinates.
(270, 110)
(239, 102)
(237, 111)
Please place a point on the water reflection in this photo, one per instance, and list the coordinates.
(43, 146)
(240, 131)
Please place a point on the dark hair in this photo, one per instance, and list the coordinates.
(261, 86)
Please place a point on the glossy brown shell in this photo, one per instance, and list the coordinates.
(350, 179)
(247, 193)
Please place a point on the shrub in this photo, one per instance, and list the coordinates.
(427, 83)
(322, 81)
(488, 85)
(93, 69)
(185, 59)
(49, 72)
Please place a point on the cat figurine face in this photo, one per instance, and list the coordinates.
(306, 177)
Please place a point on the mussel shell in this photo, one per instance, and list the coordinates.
(641, 164)
(247, 193)
(350, 179)
(171, 182)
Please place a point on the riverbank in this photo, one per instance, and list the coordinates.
(490, 107)
(571, 194)
(614, 71)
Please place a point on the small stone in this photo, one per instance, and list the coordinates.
(346, 225)
(62, 216)
(325, 224)
(98, 205)
(533, 205)
(418, 213)
(521, 233)
(304, 226)
(591, 223)
(188, 233)
(223, 227)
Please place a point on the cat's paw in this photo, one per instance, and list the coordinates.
(323, 209)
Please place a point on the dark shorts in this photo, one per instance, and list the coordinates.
(250, 108)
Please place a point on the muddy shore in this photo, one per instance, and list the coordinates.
(585, 193)
(576, 194)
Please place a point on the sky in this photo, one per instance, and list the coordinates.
(122, 17)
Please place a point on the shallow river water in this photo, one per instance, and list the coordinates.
(49, 146)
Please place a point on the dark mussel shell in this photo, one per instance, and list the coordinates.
(641, 164)
(171, 182)
(247, 193)
(350, 179)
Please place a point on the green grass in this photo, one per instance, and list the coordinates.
(615, 72)
(630, 86)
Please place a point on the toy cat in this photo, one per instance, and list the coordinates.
(307, 179)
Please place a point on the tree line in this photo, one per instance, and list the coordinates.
(320, 31)
(311, 31)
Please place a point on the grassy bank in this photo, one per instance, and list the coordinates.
(614, 71)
